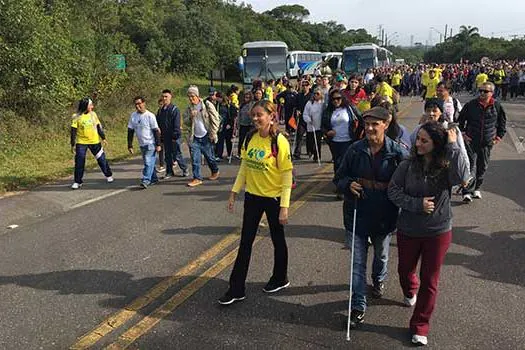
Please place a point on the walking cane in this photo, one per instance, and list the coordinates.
(351, 273)
(231, 153)
(316, 149)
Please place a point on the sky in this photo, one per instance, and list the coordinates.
(424, 20)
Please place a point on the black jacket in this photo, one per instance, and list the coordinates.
(482, 124)
(169, 122)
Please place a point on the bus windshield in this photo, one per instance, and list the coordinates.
(257, 66)
(359, 60)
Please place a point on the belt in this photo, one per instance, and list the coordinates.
(373, 185)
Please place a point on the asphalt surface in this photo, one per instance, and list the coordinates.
(80, 257)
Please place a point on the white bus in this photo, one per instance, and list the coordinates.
(306, 61)
(332, 60)
(360, 57)
(263, 60)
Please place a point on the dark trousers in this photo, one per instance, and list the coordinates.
(479, 157)
(522, 89)
(161, 158)
(225, 136)
(80, 160)
(431, 251)
(172, 152)
(310, 143)
(514, 91)
(299, 133)
(243, 130)
(338, 150)
(254, 207)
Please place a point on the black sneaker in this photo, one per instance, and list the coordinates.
(356, 318)
(228, 299)
(272, 286)
(378, 290)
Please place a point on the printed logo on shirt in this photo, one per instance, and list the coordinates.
(258, 154)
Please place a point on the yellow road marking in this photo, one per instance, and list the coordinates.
(149, 321)
(119, 318)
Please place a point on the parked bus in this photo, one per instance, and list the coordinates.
(360, 57)
(263, 60)
(332, 60)
(305, 61)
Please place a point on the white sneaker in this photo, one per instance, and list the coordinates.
(419, 339)
(467, 198)
(476, 194)
(76, 186)
(110, 179)
(410, 301)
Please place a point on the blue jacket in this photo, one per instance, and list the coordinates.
(376, 214)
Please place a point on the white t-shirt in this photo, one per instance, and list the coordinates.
(340, 120)
(448, 109)
(199, 130)
(368, 77)
(143, 123)
(313, 112)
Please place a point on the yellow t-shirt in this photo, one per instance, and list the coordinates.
(385, 90)
(86, 125)
(424, 78)
(263, 178)
(268, 94)
(234, 98)
(432, 87)
(363, 106)
(396, 80)
(481, 78)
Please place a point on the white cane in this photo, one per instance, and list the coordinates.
(231, 153)
(351, 273)
(316, 149)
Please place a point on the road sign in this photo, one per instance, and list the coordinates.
(117, 62)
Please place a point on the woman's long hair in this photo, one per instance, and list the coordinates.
(272, 110)
(331, 107)
(83, 105)
(437, 169)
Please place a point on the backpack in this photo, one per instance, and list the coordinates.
(275, 150)
(455, 117)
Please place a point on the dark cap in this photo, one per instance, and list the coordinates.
(212, 90)
(377, 113)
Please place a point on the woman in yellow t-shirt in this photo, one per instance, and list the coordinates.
(266, 173)
(86, 133)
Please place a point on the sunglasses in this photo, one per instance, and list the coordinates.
(337, 98)
(482, 91)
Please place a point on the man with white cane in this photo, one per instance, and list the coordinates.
(313, 113)
(363, 178)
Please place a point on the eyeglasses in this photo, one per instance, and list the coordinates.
(483, 91)
(337, 98)
(317, 94)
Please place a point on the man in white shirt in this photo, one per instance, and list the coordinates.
(144, 123)
(451, 105)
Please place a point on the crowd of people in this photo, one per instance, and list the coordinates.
(390, 179)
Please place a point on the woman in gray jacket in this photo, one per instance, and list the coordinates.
(421, 187)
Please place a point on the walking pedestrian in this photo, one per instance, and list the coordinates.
(245, 122)
(365, 171)
(144, 123)
(266, 174)
(203, 122)
(421, 187)
(313, 113)
(87, 133)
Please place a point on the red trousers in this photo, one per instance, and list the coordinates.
(431, 251)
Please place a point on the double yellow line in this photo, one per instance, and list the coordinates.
(121, 317)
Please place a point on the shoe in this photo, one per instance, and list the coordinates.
(467, 198)
(218, 159)
(76, 186)
(237, 157)
(110, 179)
(294, 157)
(143, 185)
(168, 176)
(228, 299)
(410, 300)
(194, 183)
(272, 286)
(420, 340)
(339, 197)
(476, 194)
(185, 173)
(214, 176)
(378, 290)
(160, 169)
(356, 318)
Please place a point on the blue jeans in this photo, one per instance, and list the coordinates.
(202, 146)
(381, 246)
(149, 156)
(80, 160)
(173, 151)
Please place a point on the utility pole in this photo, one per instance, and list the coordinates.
(411, 40)
(450, 32)
(382, 37)
(446, 30)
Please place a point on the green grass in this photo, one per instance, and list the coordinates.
(30, 156)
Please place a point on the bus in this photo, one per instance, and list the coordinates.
(332, 60)
(360, 57)
(262, 60)
(306, 61)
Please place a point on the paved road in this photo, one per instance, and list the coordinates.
(112, 266)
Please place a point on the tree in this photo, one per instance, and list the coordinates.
(466, 36)
(294, 12)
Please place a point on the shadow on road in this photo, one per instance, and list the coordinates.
(500, 255)
(509, 180)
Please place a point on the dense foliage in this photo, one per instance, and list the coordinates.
(54, 51)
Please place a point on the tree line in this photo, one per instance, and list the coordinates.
(52, 52)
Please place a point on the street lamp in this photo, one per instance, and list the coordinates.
(440, 34)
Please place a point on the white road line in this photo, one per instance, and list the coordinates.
(519, 145)
(104, 196)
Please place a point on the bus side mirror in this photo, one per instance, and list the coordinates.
(241, 63)
(291, 61)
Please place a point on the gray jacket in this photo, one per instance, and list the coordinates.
(211, 119)
(408, 187)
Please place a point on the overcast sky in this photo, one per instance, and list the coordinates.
(503, 18)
